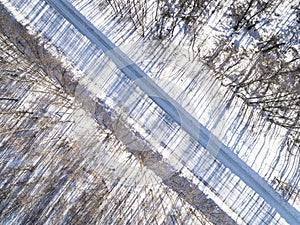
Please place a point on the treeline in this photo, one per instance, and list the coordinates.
(43, 174)
(256, 51)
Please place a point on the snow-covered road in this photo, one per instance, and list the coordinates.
(178, 113)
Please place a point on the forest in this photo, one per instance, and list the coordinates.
(68, 156)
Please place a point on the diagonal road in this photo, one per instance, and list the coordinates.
(187, 122)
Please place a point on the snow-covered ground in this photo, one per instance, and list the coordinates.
(57, 164)
(201, 95)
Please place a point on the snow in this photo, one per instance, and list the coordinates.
(212, 115)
